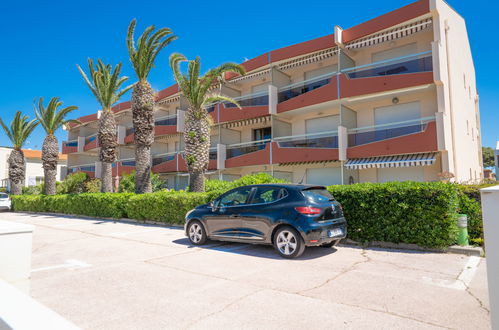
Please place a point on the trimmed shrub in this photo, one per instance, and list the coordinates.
(400, 212)
(217, 185)
(127, 182)
(257, 178)
(33, 190)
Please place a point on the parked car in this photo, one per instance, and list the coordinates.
(288, 216)
(5, 202)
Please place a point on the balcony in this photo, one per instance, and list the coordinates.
(163, 163)
(165, 125)
(123, 166)
(309, 92)
(402, 72)
(307, 147)
(252, 106)
(89, 169)
(90, 142)
(69, 147)
(411, 136)
(247, 154)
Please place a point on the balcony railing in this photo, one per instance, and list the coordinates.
(213, 154)
(162, 158)
(326, 140)
(210, 108)
(82, 168)
(421, 62)
(250, 100)
(72, 143)
(90, 138)
(296, 89)
(126, 162)
(240, 149)
(365, 135)
(166, 121)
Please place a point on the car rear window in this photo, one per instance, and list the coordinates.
(318, 195)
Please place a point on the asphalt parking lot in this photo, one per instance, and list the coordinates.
(101, 274)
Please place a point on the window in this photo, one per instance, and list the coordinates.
(415, 173)
(262, 133)
(262, 88)
(268, 195)
(236, 197)
(326, 176)
(397, 113)
(322, 124)
(395, 52)
(318, 195)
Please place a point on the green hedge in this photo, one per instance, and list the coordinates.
(406, 212)
(400, 212)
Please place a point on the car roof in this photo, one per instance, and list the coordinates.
(297, 186)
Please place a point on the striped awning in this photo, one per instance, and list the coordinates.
(392, 161)
(246, 122)
(310, 162)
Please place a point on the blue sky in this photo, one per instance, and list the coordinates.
(42, 41)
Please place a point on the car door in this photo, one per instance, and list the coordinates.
(225, 221)
(258, 216)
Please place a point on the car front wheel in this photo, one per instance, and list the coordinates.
(196, 233)
(289, 243)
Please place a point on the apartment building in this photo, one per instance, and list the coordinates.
(391, 99)
(34, 169)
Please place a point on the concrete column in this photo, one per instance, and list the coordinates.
(180, 120)
(342, 143)
(81, 143)
(490, 210)
(121, 132)
(15, 254)
(221, 156)
(272, 99)
(98, 170)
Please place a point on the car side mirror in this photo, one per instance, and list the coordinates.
(214, 205)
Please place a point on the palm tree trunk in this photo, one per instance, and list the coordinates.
(197, 147)
(108, 143)
(17, 171)
(143, 124)
(50, 156)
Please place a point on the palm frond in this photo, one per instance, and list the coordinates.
(149, 44)
(51, 117)
(19, 130)
(105, 83)
(220, 98)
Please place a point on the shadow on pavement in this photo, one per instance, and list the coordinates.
(256, 250)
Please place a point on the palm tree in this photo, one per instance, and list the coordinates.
(198, 90)
(142, 58)
(105, 84)
(51, 119)
(18, 132)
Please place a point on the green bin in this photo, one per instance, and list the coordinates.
(462, 226)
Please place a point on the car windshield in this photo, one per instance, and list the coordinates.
(317, 195)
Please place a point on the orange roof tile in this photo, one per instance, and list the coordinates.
(29, 153)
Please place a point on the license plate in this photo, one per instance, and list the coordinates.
(335, 232)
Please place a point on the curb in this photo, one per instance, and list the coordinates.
(454, 249)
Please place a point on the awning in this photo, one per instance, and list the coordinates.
(392, 161)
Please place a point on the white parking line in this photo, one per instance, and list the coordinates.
(464, 279)
(70, 263)
(135, 232)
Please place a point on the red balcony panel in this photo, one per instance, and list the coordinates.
(90, 145)
(89, 173)
(212, 164)
(85, 119)
(68, 150)
(425, 141)
(260, 157)
(129, 138)
(165, 130)
(362, 86)
(289, 155)
(231, 114)
(214, 114)
(182, 164)
(119, 170)
(167, 92)
(121, 106)
(302, 48)
(387, 20)
(165, 167)
(322, 94)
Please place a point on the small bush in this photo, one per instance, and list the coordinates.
(33, 190)
(217, 185)
(73, 183)
(127, 182)
(258, 178)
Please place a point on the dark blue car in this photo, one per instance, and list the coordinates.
(289, 216)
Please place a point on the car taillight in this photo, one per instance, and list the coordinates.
(307, 210)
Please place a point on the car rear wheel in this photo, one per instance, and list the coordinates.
(289, 243)
(196, 233)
